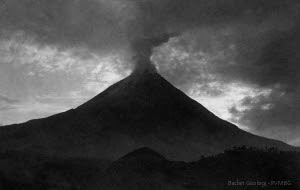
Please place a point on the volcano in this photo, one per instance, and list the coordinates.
(142, 110)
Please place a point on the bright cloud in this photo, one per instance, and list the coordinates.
(47, 80)
(230, 95)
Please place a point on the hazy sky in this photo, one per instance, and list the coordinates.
(239, 58)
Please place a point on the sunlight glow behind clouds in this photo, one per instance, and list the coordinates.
(25, 111)
(232, 96)
(46, 80)
(105, 74)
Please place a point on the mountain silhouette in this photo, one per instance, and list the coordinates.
(144, 154)
(143, 160)
(141, 110)
(141, 169)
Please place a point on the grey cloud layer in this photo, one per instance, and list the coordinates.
(263, 55)
(278, 68)
(111, 24)
(7, 100)
(64, 23)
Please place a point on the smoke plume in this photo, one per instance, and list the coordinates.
(113, 25)
(156, 20)
(142, 49)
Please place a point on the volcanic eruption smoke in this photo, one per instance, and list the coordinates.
(143, 49)
(104, 26)
(155, 22)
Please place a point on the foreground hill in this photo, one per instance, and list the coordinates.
(141, 110)
(238, 168)
(235, 169)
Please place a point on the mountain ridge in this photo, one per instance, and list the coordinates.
(143, 109)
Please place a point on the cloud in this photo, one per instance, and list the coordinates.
(229, 95)
(295, 142)
(275, 115)
(44, 59)
(276, 66)
(164, 16)
(67, 23)
(46, 81)
(7, 103)
(263, 56)
(217, 44)
(27, 110)
(269, 58)
(105, 25)
(7, 100)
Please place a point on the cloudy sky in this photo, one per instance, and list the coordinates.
(239, 58)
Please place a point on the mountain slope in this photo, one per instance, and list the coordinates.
(141, 110)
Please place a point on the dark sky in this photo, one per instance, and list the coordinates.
(239, 58)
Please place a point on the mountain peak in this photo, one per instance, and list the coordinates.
(145, 72)
(146, 99)
(144, 67)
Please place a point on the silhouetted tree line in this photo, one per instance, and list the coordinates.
(29, 171)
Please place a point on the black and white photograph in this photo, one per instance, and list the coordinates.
(149, 95)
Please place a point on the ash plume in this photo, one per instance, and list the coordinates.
(114, 25)
(142, 49)
(157, 21)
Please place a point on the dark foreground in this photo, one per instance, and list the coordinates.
(144, 169)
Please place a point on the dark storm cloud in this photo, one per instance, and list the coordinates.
(269, 58)
(257, 49)
(163, 16)
(157, 18)
(65, 23)
(277, 68)
(109, 25)
(279, 61)
(176, 16)
(266, 57)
